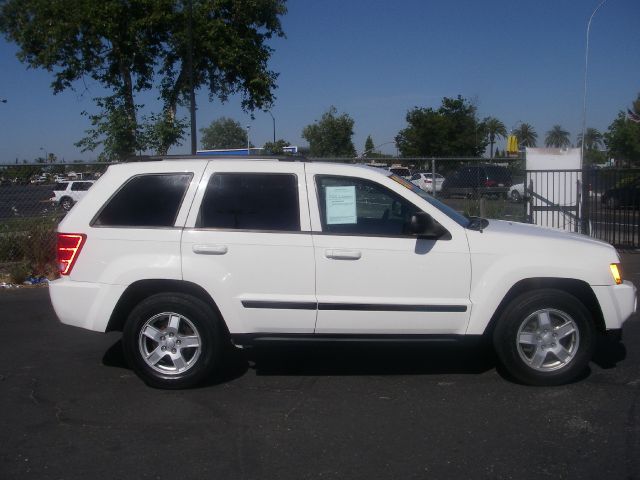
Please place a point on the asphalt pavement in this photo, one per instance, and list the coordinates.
(71, 409)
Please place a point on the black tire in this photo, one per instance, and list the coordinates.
(174, 320)
(66, 203)
(545, 337)
(515, 196)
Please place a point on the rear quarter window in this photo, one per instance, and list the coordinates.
(151, 200)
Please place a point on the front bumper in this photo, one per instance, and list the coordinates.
(617, 302)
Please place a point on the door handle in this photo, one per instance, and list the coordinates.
(343, 254)
(210, 249)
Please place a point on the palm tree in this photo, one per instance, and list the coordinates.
(494, 129)
(593, 139)
(526, 135)
(557, 137)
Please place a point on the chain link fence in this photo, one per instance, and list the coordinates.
(34, 198)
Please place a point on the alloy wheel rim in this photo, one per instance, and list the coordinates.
(548, 339)
(169, 343)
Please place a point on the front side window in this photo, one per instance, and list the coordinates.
(251, 201)
(146, 201)
(355, 206)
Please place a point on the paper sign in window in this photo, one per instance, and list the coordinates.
(341, 205)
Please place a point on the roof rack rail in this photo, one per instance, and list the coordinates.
(156, 158)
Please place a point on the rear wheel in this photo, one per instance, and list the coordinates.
(515, 196)
(172, 340)
(66, 203)
(545, 337)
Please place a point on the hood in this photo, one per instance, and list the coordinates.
(502, 236)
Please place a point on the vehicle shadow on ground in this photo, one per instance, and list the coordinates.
(395, 359)
(376, 359)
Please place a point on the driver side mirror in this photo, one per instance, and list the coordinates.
(423, 225)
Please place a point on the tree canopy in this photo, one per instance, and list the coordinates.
(557, 137)
(494, 130)
(129, 47)
(331, 136)
(623, 136)
(452, 130)
(526, 135)
(224, 133)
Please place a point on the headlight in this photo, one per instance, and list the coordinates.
(616, 271)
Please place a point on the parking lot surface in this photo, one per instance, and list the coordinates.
(71, 409)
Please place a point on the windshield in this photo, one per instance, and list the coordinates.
(446, 209)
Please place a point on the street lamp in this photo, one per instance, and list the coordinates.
(248, 151)
(586, 65)
(274, 125)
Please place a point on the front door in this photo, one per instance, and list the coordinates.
(372, 276)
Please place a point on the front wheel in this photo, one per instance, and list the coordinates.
(172, 340)
(545, 337)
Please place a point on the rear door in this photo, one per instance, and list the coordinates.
(248, 243)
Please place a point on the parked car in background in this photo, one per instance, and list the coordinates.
(66, 194)
(401, 171)
(626, 195)
(424, 180)
(478, 180)
(517, 193)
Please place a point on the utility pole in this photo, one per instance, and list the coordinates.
(192, 93)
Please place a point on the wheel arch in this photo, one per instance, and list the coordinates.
(138, 291)
(578, 288)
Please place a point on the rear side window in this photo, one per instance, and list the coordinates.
(80, 186)
(146, 201)
(251, 201)
(60, 186)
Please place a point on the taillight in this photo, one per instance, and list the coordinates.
(69, 246)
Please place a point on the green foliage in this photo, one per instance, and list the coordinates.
(223, 133)
(452, 130)
(526, 135)
(593, 139)
(331, 135)
(30, 242)
(130, 47)
(369, 145)
(493, 129)
(276, 148)
(557, 138)
(18, 272)
(623, 136)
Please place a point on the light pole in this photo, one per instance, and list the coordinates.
(248, 150)
(46, 155)
(586, 66)
(274, 125)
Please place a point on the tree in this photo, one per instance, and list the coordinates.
(557, 137)
(526, 135)
(450, 131)
(130, 47)
(277, 147)
(593, 139)
(494, 129)
(623, 139)
(369, 146)
(224, 133)
(331, 135)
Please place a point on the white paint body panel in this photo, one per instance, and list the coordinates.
(472, 269)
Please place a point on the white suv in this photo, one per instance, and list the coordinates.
(186, 256)
(67, 193)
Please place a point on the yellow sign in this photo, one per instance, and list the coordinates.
(512, 145)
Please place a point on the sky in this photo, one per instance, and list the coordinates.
(518, 60)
